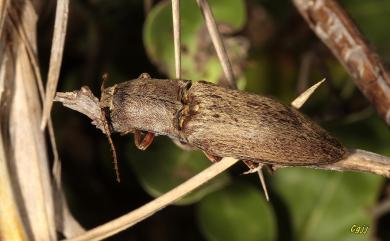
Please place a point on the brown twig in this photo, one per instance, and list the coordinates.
(84, 102)
(357, 161)
(336, 29)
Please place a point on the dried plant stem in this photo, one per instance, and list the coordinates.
(336, 29)
(176, 36)
(362, 161)
(217, 42)
(357, 161)
(57, 49)
(130, 219)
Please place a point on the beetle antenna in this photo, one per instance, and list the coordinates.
(107, 129)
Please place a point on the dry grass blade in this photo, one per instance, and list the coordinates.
(70, 226)
(57, 48)
(336, 29)
(65, 222)
(132, 218)
(217, 42)
(176, 36)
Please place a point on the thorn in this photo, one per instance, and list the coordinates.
(302, 98)
(262, 181)
(259, 171)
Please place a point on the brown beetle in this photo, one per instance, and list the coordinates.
(219, 121)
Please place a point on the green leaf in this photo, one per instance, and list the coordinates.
(164, 166)
(199, 60)
(324, 205)
(237, 213)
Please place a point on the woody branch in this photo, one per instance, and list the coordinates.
(336, 29)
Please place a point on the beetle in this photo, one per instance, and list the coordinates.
(219, 121)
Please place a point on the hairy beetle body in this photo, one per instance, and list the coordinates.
(220, 121)
(252, 127)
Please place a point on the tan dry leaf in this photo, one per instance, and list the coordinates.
(29, 171)
(11, 225)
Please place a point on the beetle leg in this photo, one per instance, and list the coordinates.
(212, 158)
(143, 142)
(257, 167)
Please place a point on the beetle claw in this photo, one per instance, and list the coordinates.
(143, 143)
(212, 158)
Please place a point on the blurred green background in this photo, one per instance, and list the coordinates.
(273, 52)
